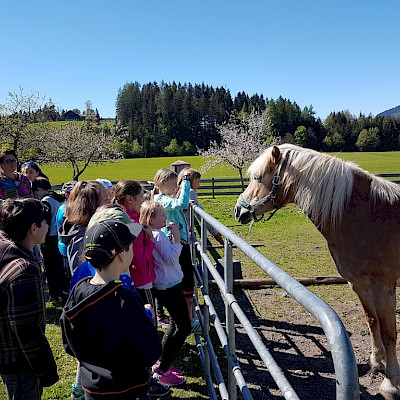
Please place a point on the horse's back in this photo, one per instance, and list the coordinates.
(367, 241)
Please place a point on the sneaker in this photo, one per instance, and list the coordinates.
(77, 392)
(173, 369)
(196, 327)
(168, 378)
(157, 389)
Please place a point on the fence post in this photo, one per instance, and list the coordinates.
(213, 189)
(230, 316)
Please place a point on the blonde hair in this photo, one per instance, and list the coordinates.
(191, 173)
(162, 176)
(147, 211)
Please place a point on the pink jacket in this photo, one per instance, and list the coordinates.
(142, 269)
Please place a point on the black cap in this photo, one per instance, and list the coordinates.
(104, 240)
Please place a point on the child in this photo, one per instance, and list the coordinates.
(165, 181)
(104, 325)
(26, 361)
(129, 195)
(57, 279)
(31, 170)
(168, 288)
(66, 190)
(194, 178)
(109, 189)
(85, 198)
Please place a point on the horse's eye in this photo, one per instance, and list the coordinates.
(257, 178)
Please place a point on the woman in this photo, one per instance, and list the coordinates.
(12, 183)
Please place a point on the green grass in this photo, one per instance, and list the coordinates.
(145, 168)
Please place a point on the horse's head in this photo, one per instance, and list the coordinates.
(260, 195)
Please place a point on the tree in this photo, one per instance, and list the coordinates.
(301, 136)
(368, 139)
(173, 149)
(242, 139)
(16, 115)
(80, 145)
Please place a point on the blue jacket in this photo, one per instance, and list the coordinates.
(174, 207)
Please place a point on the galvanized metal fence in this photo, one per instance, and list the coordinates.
(347, 387)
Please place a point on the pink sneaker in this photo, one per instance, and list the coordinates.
(169, 378)
(173, 369)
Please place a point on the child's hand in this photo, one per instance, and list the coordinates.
(219, 238)
(148, 231)
(173, 228)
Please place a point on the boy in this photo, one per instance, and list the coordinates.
(26, 360)
(57, 280)
(104, 325)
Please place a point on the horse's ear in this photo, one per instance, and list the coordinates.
(275, 154)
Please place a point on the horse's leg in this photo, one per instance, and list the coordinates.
(385, 300)
(377, 347)
(379, 302)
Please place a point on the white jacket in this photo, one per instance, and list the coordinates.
(166, 261)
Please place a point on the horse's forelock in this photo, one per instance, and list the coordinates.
(261, 165)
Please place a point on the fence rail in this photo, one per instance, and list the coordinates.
(230, 186)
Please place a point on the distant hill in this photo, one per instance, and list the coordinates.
(393, 113)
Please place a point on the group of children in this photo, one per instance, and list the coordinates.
(121, 252)
(161, 269)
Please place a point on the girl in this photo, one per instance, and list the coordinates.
(168, 287)
(129, 195)
(166, 184)
(85, 198)
(194, 178)
(32, 171)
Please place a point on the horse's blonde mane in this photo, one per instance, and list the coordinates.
(322, 184)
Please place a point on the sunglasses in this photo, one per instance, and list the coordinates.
(10, 161)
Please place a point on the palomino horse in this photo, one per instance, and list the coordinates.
(359, 216)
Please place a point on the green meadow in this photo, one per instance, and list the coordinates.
(145, 168)
(289, 240)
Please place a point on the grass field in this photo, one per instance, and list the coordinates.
(145, 168)
(289, 240)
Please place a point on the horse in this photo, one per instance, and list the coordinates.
(358, 213)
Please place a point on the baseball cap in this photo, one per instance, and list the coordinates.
(105, 182)
(68, 186)
(104, 240)
(114, 211)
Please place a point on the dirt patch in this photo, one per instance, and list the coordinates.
(298, 344)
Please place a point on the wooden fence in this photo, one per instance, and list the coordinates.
(230, 186)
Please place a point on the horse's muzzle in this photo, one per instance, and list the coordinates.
(242, 215)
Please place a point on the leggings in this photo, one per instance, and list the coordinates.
(179, 328)
(147, 297)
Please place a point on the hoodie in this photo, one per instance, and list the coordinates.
(106, 329)
(142, 269)
(23, 343)
(72, 237)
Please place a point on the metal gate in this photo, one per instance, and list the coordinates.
(347, 387)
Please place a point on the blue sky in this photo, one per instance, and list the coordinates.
(333, 55)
